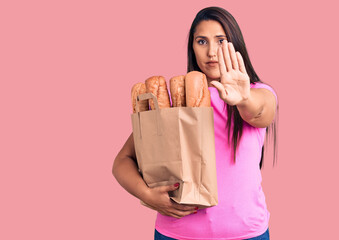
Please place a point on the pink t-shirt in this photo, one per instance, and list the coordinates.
(241, 211)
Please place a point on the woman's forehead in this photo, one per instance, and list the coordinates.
(209, 28)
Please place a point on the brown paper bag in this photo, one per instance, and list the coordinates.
(177, 145)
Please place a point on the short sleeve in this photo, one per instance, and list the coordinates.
(263, 85)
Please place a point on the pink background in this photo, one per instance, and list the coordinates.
(66, 72)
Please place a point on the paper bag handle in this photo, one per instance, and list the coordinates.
(146, 96)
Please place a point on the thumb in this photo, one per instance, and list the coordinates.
(220, 88)
(170, 188)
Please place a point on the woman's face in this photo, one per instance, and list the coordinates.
(207, 38)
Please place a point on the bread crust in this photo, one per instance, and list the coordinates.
(137, 89)
(197, 93)
(177, 88)
(157, 85)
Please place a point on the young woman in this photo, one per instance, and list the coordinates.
(243, 109)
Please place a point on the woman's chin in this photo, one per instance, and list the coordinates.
(215, 75)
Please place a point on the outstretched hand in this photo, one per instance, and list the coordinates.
(234, 85)
(159, 200)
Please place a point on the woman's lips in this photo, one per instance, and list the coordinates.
(212, 64)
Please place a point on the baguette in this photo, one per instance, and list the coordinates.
(197, 93)
(137, 89)
(177, 88)
(157, 86)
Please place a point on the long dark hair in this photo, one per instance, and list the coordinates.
(234, 35)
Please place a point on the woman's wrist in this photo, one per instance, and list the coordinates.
(144, 192)
(247, 108)
(245, 102)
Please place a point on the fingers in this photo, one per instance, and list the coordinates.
(170, 207)
(241, 63)
(180, 214)
(183, 207)
(221, 89)
(181, 210)
(221, 61)
(176, 210)
(233, 57)
(170, 188)
(226, 55)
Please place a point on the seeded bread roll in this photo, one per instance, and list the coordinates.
(197, 93)
(157, 86)
(177, 88)
(137, 89)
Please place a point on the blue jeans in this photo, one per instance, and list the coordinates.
(264, 236)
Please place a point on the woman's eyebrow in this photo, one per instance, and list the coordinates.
(206, 37)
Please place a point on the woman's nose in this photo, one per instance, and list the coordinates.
(212, 51)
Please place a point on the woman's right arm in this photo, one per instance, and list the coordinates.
(126, 172)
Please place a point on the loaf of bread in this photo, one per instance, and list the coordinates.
(190, 90)
(197, 93)
(137, 89)
(177, 89)
(157, 85)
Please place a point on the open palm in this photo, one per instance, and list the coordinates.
(234, 85)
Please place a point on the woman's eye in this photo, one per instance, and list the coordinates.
(221, 40)
(201, 41)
